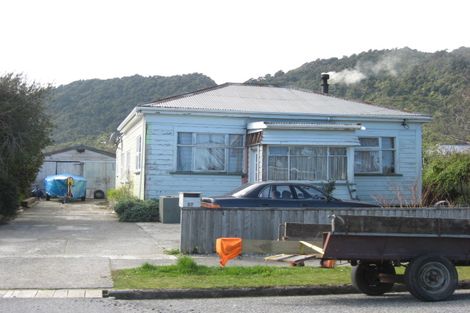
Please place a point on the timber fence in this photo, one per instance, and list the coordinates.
(200, 227)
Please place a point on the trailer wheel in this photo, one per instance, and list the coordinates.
(365, 278)
(431, 278)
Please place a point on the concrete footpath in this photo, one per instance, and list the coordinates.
(55, 246)
(77, 245)
(51, 293)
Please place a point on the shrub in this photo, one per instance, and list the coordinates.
(328, 188)
(135, 210)
(447, 177)
(120, 194)
(9, 197)
(124, 205)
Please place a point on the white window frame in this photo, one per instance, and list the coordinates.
(380, 149)
(138, 153)
(328, 156)
(226, 146)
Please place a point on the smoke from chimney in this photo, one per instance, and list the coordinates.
(347, 76)
(391, 63)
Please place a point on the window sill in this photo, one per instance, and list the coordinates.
(206, 173)
(377, 174)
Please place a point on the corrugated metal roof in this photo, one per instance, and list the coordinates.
(268, 99)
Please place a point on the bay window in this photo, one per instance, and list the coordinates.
(307, 163)
(376, 155)
(209, 152)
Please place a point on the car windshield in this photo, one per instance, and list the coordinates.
(243, 190)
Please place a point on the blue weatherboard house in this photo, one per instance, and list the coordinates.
(215, 139)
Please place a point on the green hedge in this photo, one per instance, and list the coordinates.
(8, 198)
(135, 210)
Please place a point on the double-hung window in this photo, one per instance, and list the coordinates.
(376, 155)
(209, 152)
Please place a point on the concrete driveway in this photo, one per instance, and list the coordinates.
(76, 245)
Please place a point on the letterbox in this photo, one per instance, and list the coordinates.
(190, 199)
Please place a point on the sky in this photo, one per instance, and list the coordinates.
(60, 41)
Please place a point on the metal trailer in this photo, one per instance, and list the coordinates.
(428, 248)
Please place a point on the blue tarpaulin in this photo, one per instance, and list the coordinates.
(56, 186)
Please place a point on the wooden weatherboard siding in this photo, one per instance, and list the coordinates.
(404, 188)
(161, 152)
(128, 148)
(159, 175)
(161, 178)
(201, 227)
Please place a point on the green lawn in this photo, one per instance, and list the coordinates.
(187, 274)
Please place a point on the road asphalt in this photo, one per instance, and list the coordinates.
(391, 303)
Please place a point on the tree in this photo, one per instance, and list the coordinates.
(24, 132)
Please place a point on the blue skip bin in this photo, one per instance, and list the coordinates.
(65, 186)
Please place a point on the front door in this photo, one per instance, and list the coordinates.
(253, 165)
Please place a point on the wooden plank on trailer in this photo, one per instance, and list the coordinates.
(301, 258)
(253, 246)
(292, 258)
(312, 246)
(278, 257)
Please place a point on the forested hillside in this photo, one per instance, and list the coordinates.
(437, 84)
(87, 111)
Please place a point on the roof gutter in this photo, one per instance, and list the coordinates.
(131, 119)
(322, 117)
(303, 126)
